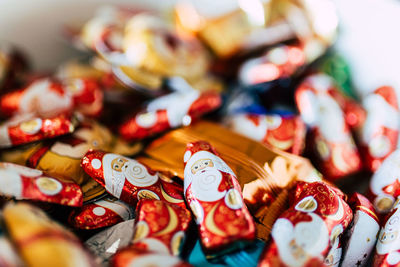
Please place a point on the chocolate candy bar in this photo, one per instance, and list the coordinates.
(160, 226)
(215, 198)
(128, 179)
(25, 183)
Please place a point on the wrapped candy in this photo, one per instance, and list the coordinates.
(380, 131)
(8, 255)
(215, 198)
(283, 132)
(362, 233)
(25, 130)
(279, 62)
(387, 250)
(40, 240)
(102, 213)
(47, 98)
(168, 112)
(259, 24)
(62, 157)
(131, 256)
(160, 226)
(384, 187)
(331, 137)
(149, 44)
(25, 183)
(128, 179)
(307, 234)
(105, 243)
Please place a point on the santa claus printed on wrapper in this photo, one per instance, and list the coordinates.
(307, 234)
(283, 132)
(379, 133)
(168, 112)
(388, 246)
(214, 196)
(332, 139)
(25, 183)
(360, 237)
(300, 242)
(385, 184)
(128, 179)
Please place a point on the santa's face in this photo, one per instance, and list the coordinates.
(389, 236)
(201, 165)
(298, 244)
(118, 163)
(206, 181)
(136, 173)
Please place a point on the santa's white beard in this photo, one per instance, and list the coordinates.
(379, 113)
(331, 121)
(205, 184)
(137, 174)
(392, 225)
(41, 100)
(387, 173)
(311, 236)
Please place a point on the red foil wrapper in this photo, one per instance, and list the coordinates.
(308, 233)
(387, 250)
(169, 112)
(332, 141)
(279, 62)
(353, 111)
(102, 213)
(215, 198)
(25, 183)
(86, 94)
(131, 256)
(43, 97)
(47, 98)
(360, 237)
(128, 179)
(283, 132)
(160, 226)
(27, 130)
(384, 187)
(380, 131)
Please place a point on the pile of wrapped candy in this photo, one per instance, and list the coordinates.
(191, 140)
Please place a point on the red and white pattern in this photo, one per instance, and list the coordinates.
(332, 141)
(215, 198)
(279, 62)
(380, 131)
(102, 213)
(25, 183)
(160, 226)
(384, 187)
(27, 129)
(168, 112)
(387, 252)
(128, 179)
(308, 233)
(48, 98)
(359, 240)
(283, 132)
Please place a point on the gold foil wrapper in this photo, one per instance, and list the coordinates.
(251, 161)
(41, 241)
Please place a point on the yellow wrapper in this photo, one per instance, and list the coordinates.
(41, 241)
